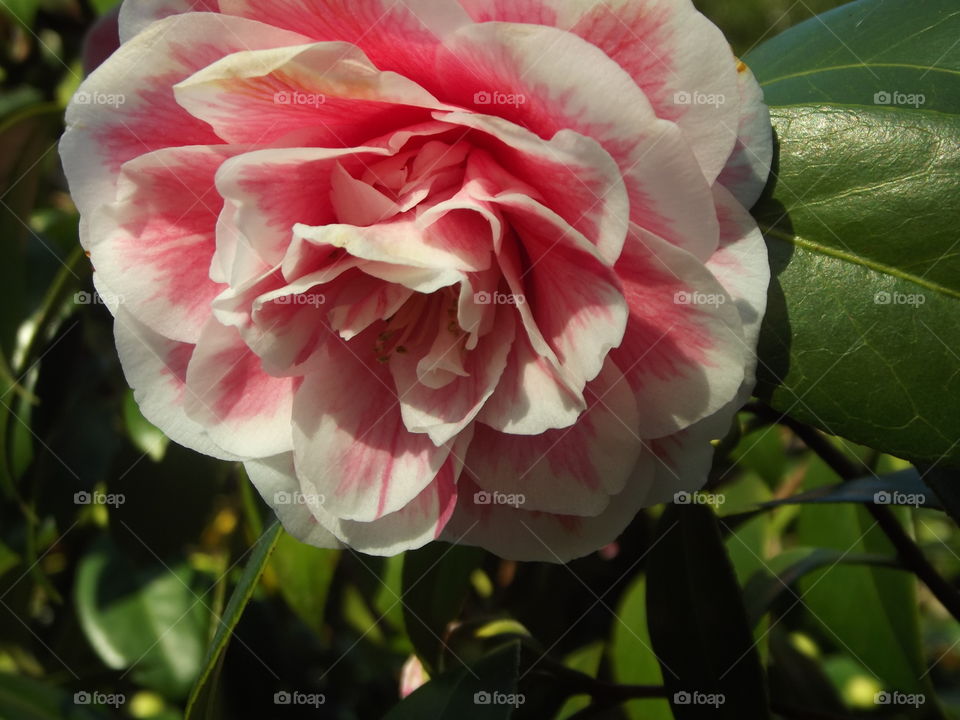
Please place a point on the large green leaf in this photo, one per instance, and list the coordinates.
(146, 621)
(862, 225)
(481, 692)
(631, 653)
(203, 697)
(436, 579)
(697, 621)
(304, 574)
(877, 621)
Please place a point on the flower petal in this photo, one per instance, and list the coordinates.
(748, 167)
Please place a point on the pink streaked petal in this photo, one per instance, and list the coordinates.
(572, 174)
(405, 241)
(276, 481)
(444, 412)
(517, 534)
(242, 408)
(131, 109)
(357, 203)
(570, 84)
(402, 37)
(575, 300)
(573, 471)
(349, 436)
(156, 368)
(136, 15)
(328, 92)
(530, 397)
(748, 167)
(155, 244)
(683, 352)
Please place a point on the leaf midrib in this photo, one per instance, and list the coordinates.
(808, 244)
(835, 68)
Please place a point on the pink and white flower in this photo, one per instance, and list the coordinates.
(478, 271)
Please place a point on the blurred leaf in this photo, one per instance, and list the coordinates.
(103, 6)
(203, 696)
(22, 698)
(147, 621)
(946, 487)
(304, 574)
(27, 138)
(145, 436)
(697, 620)
(798, 682)
(878, 623)
(460, 694)
(436, 580)
(23, 10)
(861, 223)
(904, 487)
(585, 660)
(764, 453)
(631, 654)
(769, 583)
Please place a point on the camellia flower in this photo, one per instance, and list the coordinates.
(477, 271)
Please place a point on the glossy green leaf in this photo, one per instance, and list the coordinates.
(697, 621)
(480, 692)
(203, 696)
(436, 579)
(862, 223)
(632, 659)
(147, 621)
(878, 623)
(304, 574)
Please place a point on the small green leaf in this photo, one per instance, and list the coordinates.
(436, 580)
(304, 574)
(904, 487)
(481, 692)
(587, 661)
(697, 621)
(203, 696)
(145, 436)
(149, 622)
